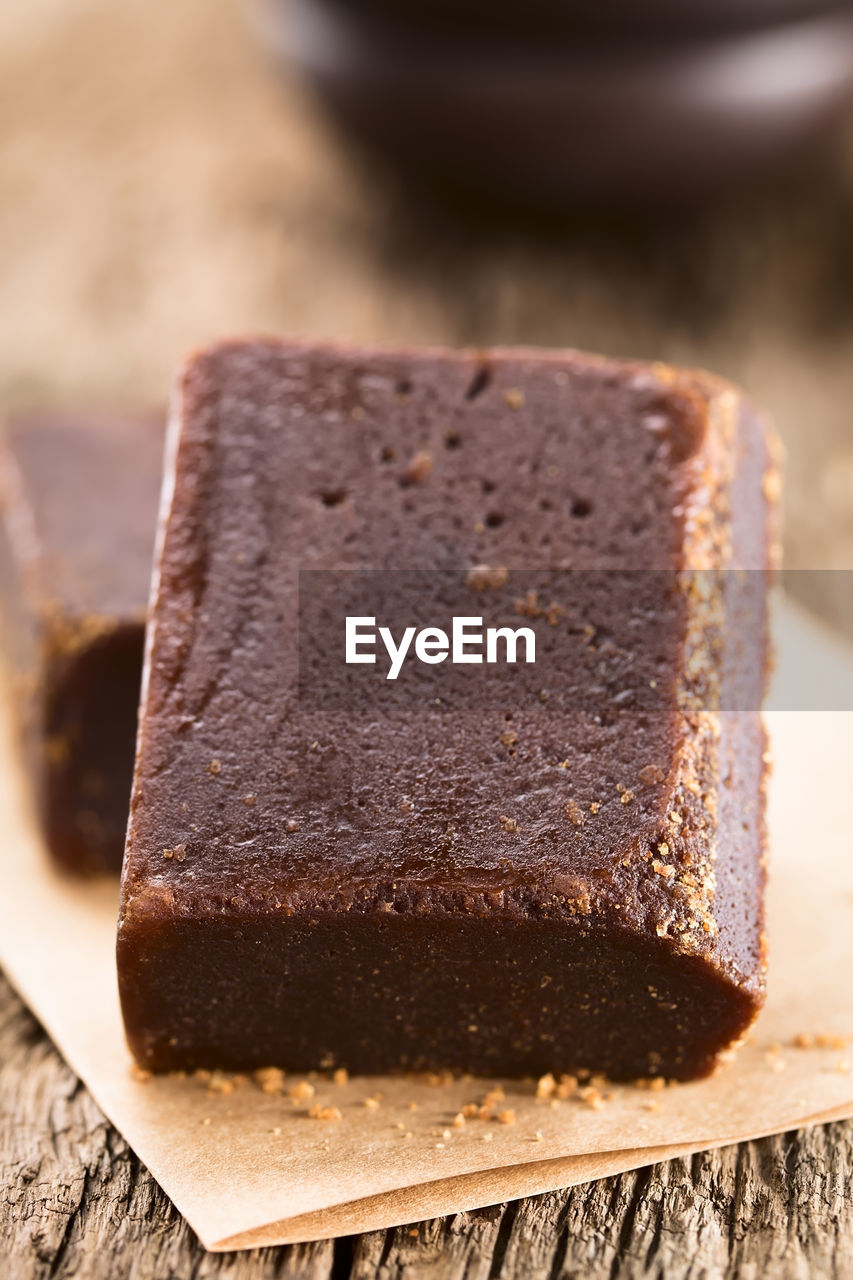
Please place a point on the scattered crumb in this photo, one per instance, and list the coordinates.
(301, 1091)
(220, 1084)
(514, 397)
(439, 1146)
(178, 852)
(484, 578)
(206, 1120)
(276, 1132)
(537, 1137)
(419, 467)
(650, 774)
(459, 1120)
(567, 1086)
(842, 1066)
(214, 767)
(529, 606)
(507, 1116)
(652, 1104)
(575, 813)
(509, 738)
(440, 1078)
(824, 1041)
(251, 800)
(595, 806)
(509, 824)
(271, 1079)
(470, 1111)
(341, 1076)
(663, 869)
(140, 1074)
(372, 1104)
(545, 1086)
(291, 825)
(487, 1137)
(675, 819)
(318, 1112)
(413, 1106)
(591, 1096)
(407, 1134)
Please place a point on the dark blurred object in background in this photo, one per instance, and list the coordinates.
(580, 104)
(626, 18)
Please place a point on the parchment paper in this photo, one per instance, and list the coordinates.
(249, 1167)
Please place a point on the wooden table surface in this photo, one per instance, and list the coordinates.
(159, 185)
(78, 1205)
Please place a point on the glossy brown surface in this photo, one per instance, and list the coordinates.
(78, 503)
(503, 890)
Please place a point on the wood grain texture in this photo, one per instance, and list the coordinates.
(78, 1203)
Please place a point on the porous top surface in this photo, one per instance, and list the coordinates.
(293, 457)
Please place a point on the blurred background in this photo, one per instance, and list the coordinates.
(166, 176)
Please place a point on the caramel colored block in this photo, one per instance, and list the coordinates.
(507, 887)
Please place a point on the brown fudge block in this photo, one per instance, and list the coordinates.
(504, 887)
(78, 511)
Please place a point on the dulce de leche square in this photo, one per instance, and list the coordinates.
(506, 869)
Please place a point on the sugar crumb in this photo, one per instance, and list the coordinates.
(545, 1085)
(318, 1112)
(270, 1079)
(419, 468)
(484, 578)
(301, 1091)
(574, 813)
